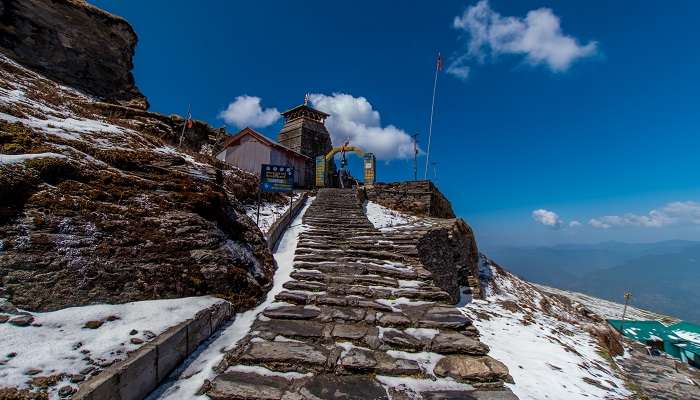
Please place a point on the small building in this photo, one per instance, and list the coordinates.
(681, 340)
(249, 149)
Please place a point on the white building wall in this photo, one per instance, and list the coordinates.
(250, 154)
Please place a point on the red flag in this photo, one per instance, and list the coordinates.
(439, 62)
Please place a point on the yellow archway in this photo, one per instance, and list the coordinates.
(345, 148)
(322, 164)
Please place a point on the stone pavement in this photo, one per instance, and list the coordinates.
(361, 318)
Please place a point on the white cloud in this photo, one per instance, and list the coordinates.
(537, 36)
(675, 213)
(354, 118)
(574, 224)
(547, 218)
(459, 67)
(246, 111)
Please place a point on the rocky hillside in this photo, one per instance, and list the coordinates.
(100, 202)
(557, 345)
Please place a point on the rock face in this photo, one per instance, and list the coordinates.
(73, 43)
(361, 318)
(100, 204)
(419, 198)
(448, 250)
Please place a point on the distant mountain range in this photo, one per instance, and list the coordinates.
(662, 276)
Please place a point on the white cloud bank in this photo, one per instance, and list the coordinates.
(547, 218)
(675, 213)
(247, 111)
(355, 119)
(538, 37)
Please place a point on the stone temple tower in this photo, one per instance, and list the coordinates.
(304, 131)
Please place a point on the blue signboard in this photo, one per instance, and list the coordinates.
(276, 178)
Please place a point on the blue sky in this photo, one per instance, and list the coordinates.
(596, 121)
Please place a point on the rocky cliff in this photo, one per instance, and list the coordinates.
(73, 43)
(448, 249)
(100, 202)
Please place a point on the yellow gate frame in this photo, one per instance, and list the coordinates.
(322, 162)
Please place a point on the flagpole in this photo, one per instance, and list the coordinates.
(189, 115)
(432, 110)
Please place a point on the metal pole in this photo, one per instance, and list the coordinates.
(430, 129)
(434, 164)
(257, 220)
(415, 156)
(184, 125)
(628, 296)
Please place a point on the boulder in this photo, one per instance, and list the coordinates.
(74, 43)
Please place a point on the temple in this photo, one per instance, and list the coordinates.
(304, 131)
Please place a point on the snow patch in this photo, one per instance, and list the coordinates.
(547, 354)
(266, 372)
(383, 217)
(269, 212)
(56, 346)
(20, 158)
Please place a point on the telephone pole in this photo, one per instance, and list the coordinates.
(415, 156)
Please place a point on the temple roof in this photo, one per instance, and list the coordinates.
(304, 110)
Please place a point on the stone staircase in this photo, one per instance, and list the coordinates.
(360, 319)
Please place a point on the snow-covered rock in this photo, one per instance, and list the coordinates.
(102, 203)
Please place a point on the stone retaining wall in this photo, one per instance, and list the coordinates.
(421, 198)
(138, 375)
(278, 227)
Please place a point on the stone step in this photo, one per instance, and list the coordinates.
(360, 309)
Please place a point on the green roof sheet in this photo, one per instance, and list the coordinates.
(688, 346)
(641, 330)
(685, 331)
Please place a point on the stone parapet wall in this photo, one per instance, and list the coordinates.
(138, 375)
(420, 198)
(275, 232)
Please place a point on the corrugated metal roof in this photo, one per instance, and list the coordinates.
(684, 335)
(640, 330)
